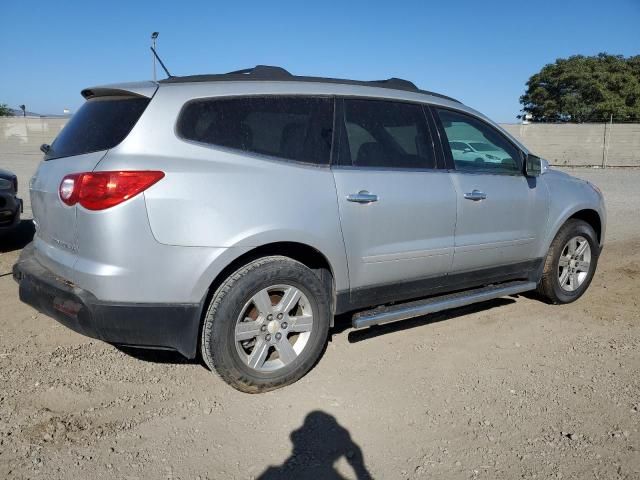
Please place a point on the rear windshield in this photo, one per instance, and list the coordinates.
(100, 124)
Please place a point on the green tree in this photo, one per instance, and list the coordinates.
(585, 89)
(4, 110)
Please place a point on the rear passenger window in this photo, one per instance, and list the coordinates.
(381, 133)
(293, 128)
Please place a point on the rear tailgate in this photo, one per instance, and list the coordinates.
(104, 120)
(55, 222)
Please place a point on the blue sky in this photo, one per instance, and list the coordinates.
(481, 52)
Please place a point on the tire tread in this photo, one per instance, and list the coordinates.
(232, 376)
(547, 285)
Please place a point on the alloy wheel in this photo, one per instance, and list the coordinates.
(273, 327)
(574, 263)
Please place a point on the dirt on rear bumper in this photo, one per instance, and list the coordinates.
(166, 326)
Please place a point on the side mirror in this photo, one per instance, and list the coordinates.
(532, 166)
(45, 147)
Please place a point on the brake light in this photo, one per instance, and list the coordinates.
(101, 190)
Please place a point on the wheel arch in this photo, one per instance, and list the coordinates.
(592, 218)
(301, 252)
(587, 214)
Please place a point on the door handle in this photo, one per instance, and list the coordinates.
(362, 197)
(475, 195)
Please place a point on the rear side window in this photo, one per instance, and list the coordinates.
(292, 128)
(100, 124)
(381, 133)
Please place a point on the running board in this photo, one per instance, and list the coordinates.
(417, 308)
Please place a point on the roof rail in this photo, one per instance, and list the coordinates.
(271, 73)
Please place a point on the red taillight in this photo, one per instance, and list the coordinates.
(100, 190)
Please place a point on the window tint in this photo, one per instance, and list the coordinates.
(294, 128)
(357, 136)
(101, 123)
(475, 146)
(481, 147)
(459, 146)
(387, 134)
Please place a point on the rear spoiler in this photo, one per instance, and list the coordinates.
(136, 89)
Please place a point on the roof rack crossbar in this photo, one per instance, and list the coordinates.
(263, 71)
(244, 70)
(397, 82)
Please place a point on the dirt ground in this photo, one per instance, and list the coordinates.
(511, 388)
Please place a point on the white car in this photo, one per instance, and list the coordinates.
(471, 150)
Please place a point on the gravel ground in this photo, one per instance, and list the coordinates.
(511, 388)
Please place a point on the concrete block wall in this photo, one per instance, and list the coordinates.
(23, 136)
(20, 140)
(584, 144)
(623, 145)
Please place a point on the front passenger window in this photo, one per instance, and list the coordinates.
(477, 147)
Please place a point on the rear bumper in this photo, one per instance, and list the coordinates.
(166, 326)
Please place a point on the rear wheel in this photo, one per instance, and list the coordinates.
(570, 263)
(266, 325)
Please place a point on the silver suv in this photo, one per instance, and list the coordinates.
(232, 216)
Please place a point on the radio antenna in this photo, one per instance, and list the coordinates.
(161, 64)
(154, 37)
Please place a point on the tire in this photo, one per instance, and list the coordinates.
(559, 285)
(247, 324)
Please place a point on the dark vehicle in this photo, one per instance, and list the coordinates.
(10, 204)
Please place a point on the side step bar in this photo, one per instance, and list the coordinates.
(417, 308)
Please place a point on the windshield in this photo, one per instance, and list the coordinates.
(100, 124)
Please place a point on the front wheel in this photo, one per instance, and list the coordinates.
(571, 263)
(266, 325)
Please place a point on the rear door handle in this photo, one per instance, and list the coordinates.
(475, 195)
(362, 197)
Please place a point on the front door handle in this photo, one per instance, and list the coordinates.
(475, 195)
(362, 197)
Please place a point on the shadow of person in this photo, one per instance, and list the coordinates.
(317, 446)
